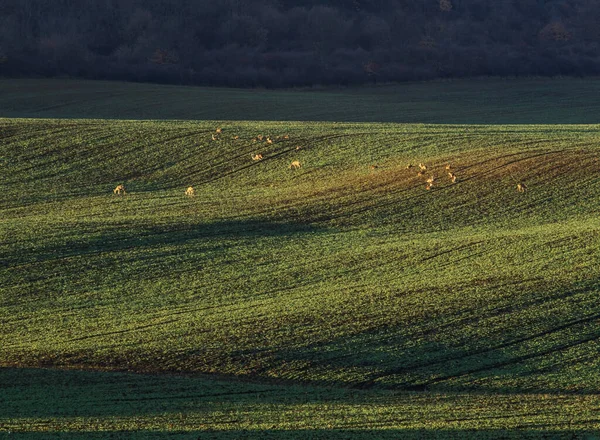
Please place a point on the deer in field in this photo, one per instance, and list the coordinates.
(448, 167)
(295, 165)
(219, 130)
(269, 141)
(521, 187)
(256, 156)
(190, 191)
(409, 166)
(430, 183)
(236, 137)
(452, 177)
(119, 190)
(422, 167)
(373, 167)
(215, 137)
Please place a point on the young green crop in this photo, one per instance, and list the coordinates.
(337, 271)
(337, 274)
(468, 101)
(101, 405)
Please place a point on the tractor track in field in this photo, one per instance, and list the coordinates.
(29, 135)
(346, 209)
(494, 365)
(512, 361)
(410, 189)
(268, 305)
(315, 140)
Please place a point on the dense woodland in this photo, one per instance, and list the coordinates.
(281, 43)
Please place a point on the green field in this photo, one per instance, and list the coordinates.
(338, 300)
(470, 101)
(116, 405)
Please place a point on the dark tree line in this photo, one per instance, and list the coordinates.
(274, 43)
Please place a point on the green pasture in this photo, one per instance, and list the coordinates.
(339, 300)
(46, 404)
(469, 101)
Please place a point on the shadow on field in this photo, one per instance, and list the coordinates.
(303, 434)
(53, 393)
(95, 238)
(479, 101)
(536, 334)
(124, 406)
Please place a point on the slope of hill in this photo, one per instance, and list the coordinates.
(83, 405)
(346, 273)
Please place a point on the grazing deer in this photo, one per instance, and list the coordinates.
(422, 167)
(430, 183)
(236, 137)
(269, 141)
(120, 189)
(452, 177)
(521, 187)
(190, 191)
(215, 137)
(286, 137)
(219, 130)
(256, 156)
(260, 137)
(298, 147)
(448, 167)
(295, 165)
(373, 167)
(421, 173)
(409, 166)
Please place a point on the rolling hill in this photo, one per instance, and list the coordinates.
(338, 300)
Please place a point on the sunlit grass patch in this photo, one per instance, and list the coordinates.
(338, 274)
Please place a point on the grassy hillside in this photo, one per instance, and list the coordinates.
(337, 274)
(101, 405)
(485, 101)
